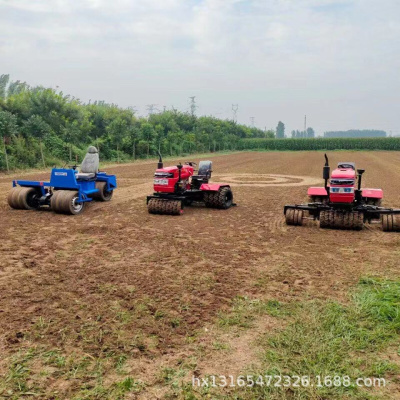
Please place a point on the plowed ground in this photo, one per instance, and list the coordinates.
(116, 280)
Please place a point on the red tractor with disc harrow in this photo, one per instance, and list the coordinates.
(342, 203)
(176, 187)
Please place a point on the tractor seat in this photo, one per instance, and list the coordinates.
(89, 166)
(85, 177)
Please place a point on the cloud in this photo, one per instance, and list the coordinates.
(287, 57)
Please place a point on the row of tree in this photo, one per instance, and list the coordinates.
(296, 134)
(42, 126)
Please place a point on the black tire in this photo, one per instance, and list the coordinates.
(324, 219)
(223, 198)
(387, 222)
(28, 198)
(298, 217)
(289, 217)
(103, 194)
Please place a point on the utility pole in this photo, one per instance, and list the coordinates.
(235, 108)
(252, 121)
(193, 106)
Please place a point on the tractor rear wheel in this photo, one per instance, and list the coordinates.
(223, 198)
(23, 198)
(28, 198)
(103, 194)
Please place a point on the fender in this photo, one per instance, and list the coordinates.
(372, 193)
(213, 187)
(317, 191)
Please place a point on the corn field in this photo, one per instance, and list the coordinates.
(320, 144)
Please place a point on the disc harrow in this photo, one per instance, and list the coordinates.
(391, 222)
(165, 207)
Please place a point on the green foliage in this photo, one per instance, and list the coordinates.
(320, 144)
(44, 127)
(353, 133)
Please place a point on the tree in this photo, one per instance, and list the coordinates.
(280, 130)
(36, 127)
(3, 85)
(8, 129)
(117, 129)
(310, 132)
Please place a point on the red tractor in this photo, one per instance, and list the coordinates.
(343, 204)
(176, 187)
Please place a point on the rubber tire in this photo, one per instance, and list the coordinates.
(223, 198)
(25, 198)
(387, 222)
(102, 194)
(61, 202)
(289, 217)
(294, 217)
(165, 207)
(325, 219)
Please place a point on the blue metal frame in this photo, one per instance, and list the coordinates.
(65, 179)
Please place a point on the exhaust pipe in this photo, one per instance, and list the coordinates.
(326, 173)
(160, 164)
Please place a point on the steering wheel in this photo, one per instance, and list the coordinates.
(191, 163)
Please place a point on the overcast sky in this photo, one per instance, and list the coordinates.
(338, 61)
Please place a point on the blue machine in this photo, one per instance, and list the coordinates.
(68, 190)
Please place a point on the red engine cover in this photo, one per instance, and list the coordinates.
(165, 183)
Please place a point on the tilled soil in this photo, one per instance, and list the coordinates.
(118, 279)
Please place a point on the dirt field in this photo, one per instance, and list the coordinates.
(116, 283)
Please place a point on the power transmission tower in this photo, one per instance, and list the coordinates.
(252, 121)
(305, 123)
(193, 106)
(151, 108)
(235, 108)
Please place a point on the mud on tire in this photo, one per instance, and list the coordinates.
(222, 199)
(103, 194)
(294, 217)
(23, 198)
(166, 207)
(65, 202)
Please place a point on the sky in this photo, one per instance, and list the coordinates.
(336, 61)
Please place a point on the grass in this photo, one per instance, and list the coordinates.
(245, 311)
(325, 339)
(317, 338)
